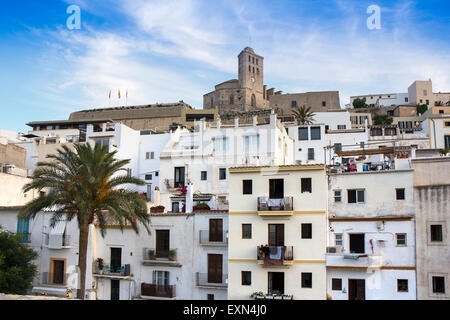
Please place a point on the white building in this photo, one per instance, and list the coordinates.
(382, 100)
(371, 253)
(330, 132)
(437, 126)
(277, 232)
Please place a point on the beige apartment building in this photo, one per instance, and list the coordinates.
(277, 232)
(432, 205)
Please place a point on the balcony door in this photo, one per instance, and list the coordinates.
(215, 268)
(357, 243)
(276, 235)
(116, 259)
(179, 177)
(276, 188)
(276, 282)
(162, 243)
(215, 230)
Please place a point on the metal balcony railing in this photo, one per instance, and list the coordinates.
(211, 279)
(208, 238)
(153, 254)
(282, 204)
(157, 290)
(287, 252)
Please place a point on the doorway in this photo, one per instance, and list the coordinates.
(162, 243)
(214, 268)
(276, 235)
(357, 243)
(276, 282)
(115, 289)
(276, 188)
(356, 289)
(116, 259)
(58, 272)
(215, 230)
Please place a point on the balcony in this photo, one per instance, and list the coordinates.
(360, 261)
(173, 185)
(275, 256)
(168, 258)
(208, 280)
(275, 207)
(158, 291)
(113, 272)
(208, 239)
(263, 296)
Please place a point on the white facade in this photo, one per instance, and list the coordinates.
(371, 252)
(382, 100)
(302, 274)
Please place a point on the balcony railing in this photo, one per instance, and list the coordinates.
(122, 270)
(153, 254)
(25, 237)
(174, 184)
(207, 238)
(269, 204)
(54, 278)
(211, 280)
(275, 255)
(157, 290)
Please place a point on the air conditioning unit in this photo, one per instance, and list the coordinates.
(335, 249)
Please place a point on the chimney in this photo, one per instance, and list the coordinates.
(189, 199)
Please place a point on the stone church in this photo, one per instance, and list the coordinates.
(249, 93)
(246, 93)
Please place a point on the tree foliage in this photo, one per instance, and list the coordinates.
(359, 103)
(303, 115)
(421, 108)
(16, 264)
(382, 119)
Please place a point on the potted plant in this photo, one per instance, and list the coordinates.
(100, 265)
(172, 254)
(201, 206)
(157, 209)
(258, 295)
(151, 254)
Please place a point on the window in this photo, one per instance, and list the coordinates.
(204, 175)
(436, 232)
(447, 142)
(306, 231)
(220, 144)
(338, 239)
(341, 126)
(376, 132)
(148, 177)
(306, 280)
(357, 243)
(337, 195)
(400, 194)
(161, 278)
(447, 123)
(249, 68)
(149, 155)
(179, 176)
(246, 278)
(23, 227)
(102, 142)
(294, 104)
(222, 173)
(156, 173)
(303, 134)
(438, 284)
(246, 231)
(231, 99)
(315, 133)
(306, 184)
(402, 285)
(427, 102)
(253, 98)
(310, 153)
(406, 99)
(441, 111)
(355, 196)
(210, 296)
(256, 61)
(324, 103)
(336, 284)
(175, 207)
(247, 186)
(424, 92)
(401, 239)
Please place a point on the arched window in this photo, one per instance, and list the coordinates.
(231, 99)
(253, 100)
(249, 69)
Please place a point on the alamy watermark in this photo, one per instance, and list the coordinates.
(374, 20)
(74, 20)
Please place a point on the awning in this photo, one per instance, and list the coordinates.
(58, 229)
(384, 150)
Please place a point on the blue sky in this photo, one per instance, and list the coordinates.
(166, 51)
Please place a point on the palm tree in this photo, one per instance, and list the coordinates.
(85, 184)
(304, 115)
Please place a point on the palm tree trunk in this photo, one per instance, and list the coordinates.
(82, 250)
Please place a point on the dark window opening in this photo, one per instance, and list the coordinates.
(222, 173)
(276, 188)
(276, 283)
(306, 185)
(336, 284)
(357, 243)
(306, 280)
(276, 235)
(247, 186)
(306, 231)
(246, 278)
(436, 232)
(438, 285)
(400, 194)
(246, 231)
(402, 285)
